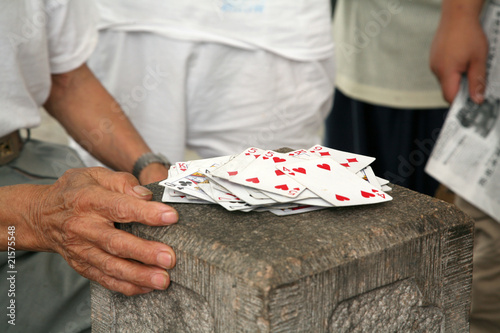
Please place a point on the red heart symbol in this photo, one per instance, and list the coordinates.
(232, 173)
(279, 173)
(374, 190)
(341, 198)
(352, 160)
(282, 187)
(278, 160)
(256, 156)
(265, 158)
(345, 164)
(253, 180)
(367, 194)
(324, 153)
(324, 166)
(301, 170)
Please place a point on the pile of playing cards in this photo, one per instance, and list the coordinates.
(264, 180)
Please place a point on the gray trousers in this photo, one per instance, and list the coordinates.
(50, 297)
(485, 310)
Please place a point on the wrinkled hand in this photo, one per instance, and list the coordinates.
(75, 217)
(460, 47)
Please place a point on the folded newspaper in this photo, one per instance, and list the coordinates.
(285, 184)
(466, 155)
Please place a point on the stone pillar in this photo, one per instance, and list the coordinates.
(401, 266)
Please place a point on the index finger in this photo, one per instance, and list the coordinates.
(123, 208)
(477, 82)
(122, 182)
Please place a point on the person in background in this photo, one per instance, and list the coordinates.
(387, 102)
(217, 76)
(460, 48)
(57, 222)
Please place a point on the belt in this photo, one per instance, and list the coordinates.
(10, 147)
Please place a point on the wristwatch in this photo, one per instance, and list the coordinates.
(146, 159)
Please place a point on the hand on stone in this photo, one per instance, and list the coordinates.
(460, 47)
(75, 217)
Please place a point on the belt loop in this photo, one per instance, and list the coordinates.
(10, 147)
(28, 136)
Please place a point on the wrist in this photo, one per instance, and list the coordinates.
(22, 212)
(461, 11)
(154, 172)
(151, 167)
(34, 220)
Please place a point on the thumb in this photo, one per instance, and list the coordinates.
(450, 83)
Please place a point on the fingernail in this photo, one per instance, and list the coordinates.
(147, 290)
(169, 217)
(160, 281)
(164, 260)
(142, 191)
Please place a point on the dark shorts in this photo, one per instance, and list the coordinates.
(401, 140)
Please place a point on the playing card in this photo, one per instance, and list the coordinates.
(181, 198)
(277, 206)
(295, 210)
(305, 195)
(386, 188)
(284, 184)
(170, 193)
(263, 175)
(188, 184)
(239, 162)
(313, 202)
(353, 162)
(384, 184)
(333, 182)
(301, 153)
(182, 166)
(382, 181)
(182, 169)
(172, 171)
(247, 194)
(223, 198)
(368, 175)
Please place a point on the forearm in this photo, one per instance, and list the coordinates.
(18, 215)
(94, 119)
(453, 10)
(91, 116)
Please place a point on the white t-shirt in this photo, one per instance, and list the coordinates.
(295, 29)
(39, 38)
(382, 49)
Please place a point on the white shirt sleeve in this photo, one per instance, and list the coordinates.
(71, 32)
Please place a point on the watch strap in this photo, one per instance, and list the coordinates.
(146, 159)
